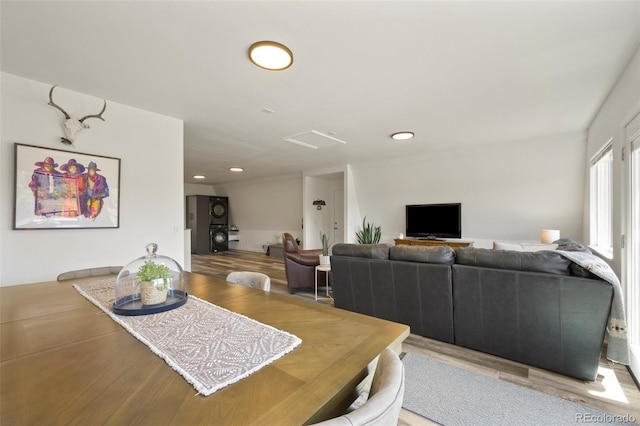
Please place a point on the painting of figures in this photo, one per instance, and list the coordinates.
(57, 189)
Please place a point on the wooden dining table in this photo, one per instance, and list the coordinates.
(64, 361)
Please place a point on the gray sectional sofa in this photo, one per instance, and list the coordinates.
(532, 307)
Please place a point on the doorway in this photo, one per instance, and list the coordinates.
(323, 207)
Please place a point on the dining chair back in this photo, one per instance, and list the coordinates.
(383, 406)
(251, 279)
(89, 272)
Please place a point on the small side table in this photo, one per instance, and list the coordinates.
(323, 268)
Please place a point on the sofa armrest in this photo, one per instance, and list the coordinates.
(305, 258)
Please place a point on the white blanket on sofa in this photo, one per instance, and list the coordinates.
(618, 346)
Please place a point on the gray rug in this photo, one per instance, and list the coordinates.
(453, 396)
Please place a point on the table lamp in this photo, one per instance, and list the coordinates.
(547, 236)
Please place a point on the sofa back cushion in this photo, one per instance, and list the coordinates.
(414, 293)
(436, 254)
(368, 251)
(568, 244)
(516, 246)
(539, 261)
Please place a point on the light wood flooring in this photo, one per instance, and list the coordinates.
(220, 264)
(613, 391)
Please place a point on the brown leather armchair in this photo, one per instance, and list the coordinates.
(300, 265)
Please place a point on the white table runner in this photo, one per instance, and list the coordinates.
(211, 347)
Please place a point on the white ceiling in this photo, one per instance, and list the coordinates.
(453, 72)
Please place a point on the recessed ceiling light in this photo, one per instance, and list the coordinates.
(198, 176)
(236, 169)
(401, 136)
(270, 55)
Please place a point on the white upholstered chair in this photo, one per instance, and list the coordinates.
(385, 397)
(89, 272)
(251, 279)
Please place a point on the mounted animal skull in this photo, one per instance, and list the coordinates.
(73, 125)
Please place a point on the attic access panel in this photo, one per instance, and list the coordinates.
(314, 140)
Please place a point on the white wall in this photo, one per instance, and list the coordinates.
(353, 217)
(198, 189)
(508, 191)
(264, 209)
(150, 147)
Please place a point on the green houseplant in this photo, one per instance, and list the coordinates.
(324, 257)
(154, 281)
(370, 234)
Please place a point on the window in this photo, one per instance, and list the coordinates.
(601, 182)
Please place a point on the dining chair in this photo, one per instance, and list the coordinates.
(89, 272)
(383, 406)
(251, 279)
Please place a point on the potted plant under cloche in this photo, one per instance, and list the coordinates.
(154, 281)
(324, 257)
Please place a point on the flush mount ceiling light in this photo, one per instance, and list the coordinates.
(198, 176)
(271, 55)
(401, 136)
(236, 169)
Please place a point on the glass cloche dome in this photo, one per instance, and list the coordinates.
(150, 284)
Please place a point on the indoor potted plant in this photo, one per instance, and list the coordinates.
(154, 281)
(324, 257)
(370, 234)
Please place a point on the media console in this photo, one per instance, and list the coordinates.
(416, 242)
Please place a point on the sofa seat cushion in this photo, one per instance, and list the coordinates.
(539, 261)
(367, 251)
(437, 254)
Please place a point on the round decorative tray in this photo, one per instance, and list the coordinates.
(149, 284)
(132, 305)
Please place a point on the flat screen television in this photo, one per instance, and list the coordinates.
(434, 220)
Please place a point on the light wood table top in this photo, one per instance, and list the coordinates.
(64, 361)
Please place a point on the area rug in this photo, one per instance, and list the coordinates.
(453, 396)
(211, 347)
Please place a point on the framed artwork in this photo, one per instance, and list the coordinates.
(57, 189)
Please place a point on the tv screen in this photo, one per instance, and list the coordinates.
(434, 220)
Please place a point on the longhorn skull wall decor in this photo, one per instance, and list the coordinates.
(73, 125)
